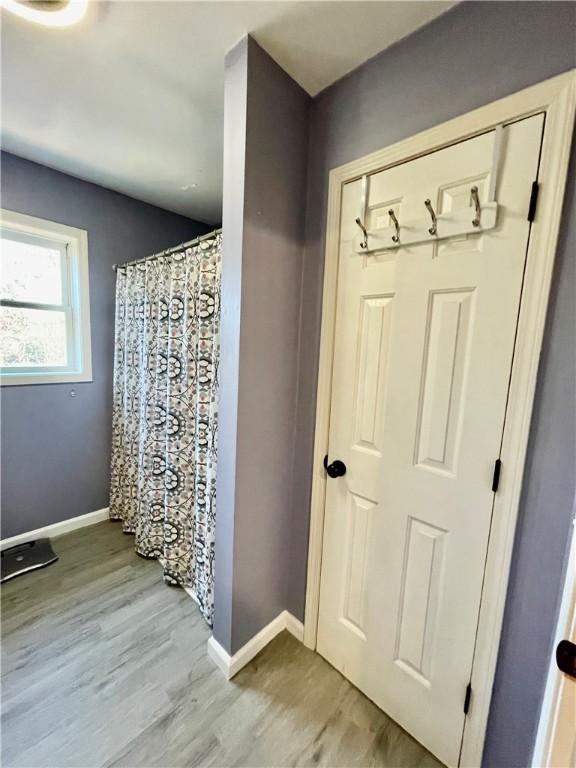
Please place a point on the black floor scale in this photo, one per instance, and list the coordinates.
(26, 557)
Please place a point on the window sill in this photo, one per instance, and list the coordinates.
(31, 379)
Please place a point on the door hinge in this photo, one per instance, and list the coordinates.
(496, 475)
(533, 201)
(467, 698)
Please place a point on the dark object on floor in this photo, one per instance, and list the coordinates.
(26, 557)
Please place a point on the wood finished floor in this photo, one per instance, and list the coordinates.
(105, 665)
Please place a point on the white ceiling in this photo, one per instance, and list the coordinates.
(132, 97)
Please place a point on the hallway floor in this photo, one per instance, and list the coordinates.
(105, 665)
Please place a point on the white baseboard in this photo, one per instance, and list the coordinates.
(57, 529)
(294, 626)
(231, 665)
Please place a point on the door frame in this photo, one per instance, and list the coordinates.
(550, 710)
(557, 98)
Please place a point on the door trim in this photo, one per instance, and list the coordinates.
(557, 98)
(564, 628)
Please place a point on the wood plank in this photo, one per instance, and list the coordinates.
(105, 665)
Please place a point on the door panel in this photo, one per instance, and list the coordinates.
(359, 523)
(423, 352)
(420, 590)
(373, 342)
(449, 327)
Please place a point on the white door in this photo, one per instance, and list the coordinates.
(424, 343)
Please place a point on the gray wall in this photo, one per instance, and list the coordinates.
(265, 155)
(474, 54)
(235, 95)
(56, 448)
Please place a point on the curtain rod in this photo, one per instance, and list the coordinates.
(207, 236)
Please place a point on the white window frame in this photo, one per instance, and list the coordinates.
(73, 245)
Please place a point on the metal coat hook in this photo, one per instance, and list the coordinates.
(396, 237)
(434, 228)
(475, 200)
(364, 243)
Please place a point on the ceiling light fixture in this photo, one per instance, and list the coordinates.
(50, 14)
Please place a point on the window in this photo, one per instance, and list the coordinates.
(44, 302)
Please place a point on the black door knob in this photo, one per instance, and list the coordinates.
(336, 469)
(566, 657)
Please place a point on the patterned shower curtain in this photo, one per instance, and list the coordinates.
(165, 412)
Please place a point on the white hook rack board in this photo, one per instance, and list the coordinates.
(454, 224)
